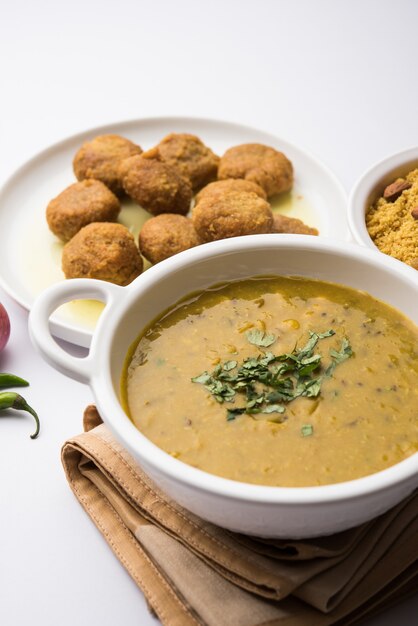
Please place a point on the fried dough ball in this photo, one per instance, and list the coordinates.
(260, 164)
(285, 224)
(189, 155)
(156, 186)
(220, 187)
(105, 251)
(101, 157)
(165, 235)
(79, 205)
(233, 214)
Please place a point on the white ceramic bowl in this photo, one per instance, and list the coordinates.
(371, 186)
(252, 509)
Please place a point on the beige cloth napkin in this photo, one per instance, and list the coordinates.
(194, 573)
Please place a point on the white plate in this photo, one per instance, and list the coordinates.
(30, 255)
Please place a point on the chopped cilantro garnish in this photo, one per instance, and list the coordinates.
(274, 408)
(338, 357)
(202, 378)
(231, 414)
(267, 381)
(260, 338)
(306, 430)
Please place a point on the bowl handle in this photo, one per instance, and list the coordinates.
(45, 305)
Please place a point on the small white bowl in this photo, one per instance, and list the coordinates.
(371, 186)
(253, 509)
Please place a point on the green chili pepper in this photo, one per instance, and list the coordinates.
(11, 400)
(10, 380)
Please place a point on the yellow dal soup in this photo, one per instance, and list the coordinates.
(280, 381)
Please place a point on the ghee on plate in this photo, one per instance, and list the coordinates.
(40, 252)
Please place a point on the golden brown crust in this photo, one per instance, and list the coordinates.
(165, 235)
(189, 155)
(101, 157)
(219, 187)
(292, 225)
(156, 186)
(260, 164)
(105, 251)
(233, 214)
(79, 205)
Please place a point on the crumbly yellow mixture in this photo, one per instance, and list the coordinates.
(392, 227)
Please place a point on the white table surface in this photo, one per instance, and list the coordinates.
(336, 77)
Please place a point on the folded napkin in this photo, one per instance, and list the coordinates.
(194, 573)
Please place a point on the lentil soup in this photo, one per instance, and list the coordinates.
(282, 381)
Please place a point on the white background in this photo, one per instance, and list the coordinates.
(338, 78)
